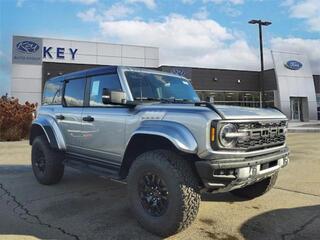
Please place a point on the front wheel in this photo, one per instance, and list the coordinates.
(257, 189)
(47, 163)
(163, 192)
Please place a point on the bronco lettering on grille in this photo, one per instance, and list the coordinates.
(261, 134)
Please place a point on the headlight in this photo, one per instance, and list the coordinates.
(228, 135)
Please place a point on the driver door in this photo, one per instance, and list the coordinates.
(103, 125)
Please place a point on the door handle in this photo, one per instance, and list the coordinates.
(88, 119)
(59, 117)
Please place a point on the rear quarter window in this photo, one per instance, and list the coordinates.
(52, 93)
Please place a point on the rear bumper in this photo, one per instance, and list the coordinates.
(226, 174)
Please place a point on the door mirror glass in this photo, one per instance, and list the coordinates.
(113, 97)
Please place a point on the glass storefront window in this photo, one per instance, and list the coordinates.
(237, 98)
(318, 105)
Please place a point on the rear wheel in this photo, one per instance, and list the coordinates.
(47, 163)
(163, 192)
(257, 189)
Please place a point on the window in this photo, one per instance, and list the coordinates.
(98, 83)
(52, 92)
(74, 92)
(151, 86)
(237, 98)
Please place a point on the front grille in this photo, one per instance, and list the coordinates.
(261, 134)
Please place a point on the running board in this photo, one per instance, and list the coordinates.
(97, 167)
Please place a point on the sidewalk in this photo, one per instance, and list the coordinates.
(311, 126)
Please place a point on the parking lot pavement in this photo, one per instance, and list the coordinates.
(84, 206)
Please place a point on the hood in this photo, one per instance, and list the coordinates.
(229, 112)
(234, 112)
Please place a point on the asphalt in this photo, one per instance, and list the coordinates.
(84, 206)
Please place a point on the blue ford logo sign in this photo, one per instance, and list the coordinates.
(293, 65)
(27, 47)
(179, 72)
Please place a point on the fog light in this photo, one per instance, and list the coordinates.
(224, 172)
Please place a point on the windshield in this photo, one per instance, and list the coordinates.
(151, 86)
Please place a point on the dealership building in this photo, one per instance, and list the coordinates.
(289, 86)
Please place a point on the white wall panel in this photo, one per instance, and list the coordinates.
(133, 62)
(110, 50)
(151, 63)
(109, 60)
(103, 53)
(152, 53)
(55, 43)
(26, 71)
(25, 96)
(294, 83)
(26, 84)
(132, 52)
(86, 48)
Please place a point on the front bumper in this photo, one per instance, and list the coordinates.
(228, 173)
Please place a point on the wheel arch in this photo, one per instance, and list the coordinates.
(158, 135)
(49, 128)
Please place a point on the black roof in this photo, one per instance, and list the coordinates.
(86, 73)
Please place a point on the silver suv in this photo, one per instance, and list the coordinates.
(149, 129)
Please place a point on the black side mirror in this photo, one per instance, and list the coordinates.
(106, 96)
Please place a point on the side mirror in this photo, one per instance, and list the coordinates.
(113, 97)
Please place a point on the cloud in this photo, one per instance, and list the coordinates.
(187, 1)
(201, 14)
(308, 10)
(308, 46)
(235, 2)
(20, 3)
(89, 15)
(151, 4)
(231, 11)
(227, 6)
(185, 41)
(86, 2)
(115, 12)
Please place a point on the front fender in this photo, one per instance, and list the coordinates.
(51, 129)
(176, 133)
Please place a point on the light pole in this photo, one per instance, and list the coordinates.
(261, 23)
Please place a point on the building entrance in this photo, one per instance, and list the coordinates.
(299, 109)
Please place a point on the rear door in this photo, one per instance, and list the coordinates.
(104, 125)
(70, 116)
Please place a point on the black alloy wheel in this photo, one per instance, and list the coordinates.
(40, 160)
(153, 194)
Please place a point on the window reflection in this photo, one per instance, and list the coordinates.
(237, 98)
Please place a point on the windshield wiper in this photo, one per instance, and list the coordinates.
(164, 100)
(176, 100)
(147, 99)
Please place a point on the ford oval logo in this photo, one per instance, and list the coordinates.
(179, 72)
(27, 47)
(293, 65)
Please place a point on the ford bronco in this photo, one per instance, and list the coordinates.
(149, 129)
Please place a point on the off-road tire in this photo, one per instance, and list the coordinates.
(53, 169)
(183, 191)
(257, 189)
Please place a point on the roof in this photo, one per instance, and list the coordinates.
(86, 73)
(106, 70)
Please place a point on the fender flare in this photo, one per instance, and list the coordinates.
(51, 129)
(176, 133)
